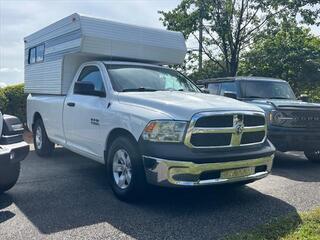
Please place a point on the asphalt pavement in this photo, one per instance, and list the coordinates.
(66, 197)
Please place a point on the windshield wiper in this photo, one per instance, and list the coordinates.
(173, 90)
(279, 98)
(254, 97)
(140, 89)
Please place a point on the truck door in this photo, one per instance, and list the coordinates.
(82, 115)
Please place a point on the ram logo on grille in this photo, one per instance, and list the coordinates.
(239, 126)
(226, 129)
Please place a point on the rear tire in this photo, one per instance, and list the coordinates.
(9, 174)
(42, 144)
(313, 156)
(125, 170)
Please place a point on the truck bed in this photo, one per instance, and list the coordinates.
(51, 107)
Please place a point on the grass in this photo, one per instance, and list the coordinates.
(304, 226)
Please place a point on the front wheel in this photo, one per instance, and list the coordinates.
(42, 144)
(9, 174)
(313, 156)
(125, 170)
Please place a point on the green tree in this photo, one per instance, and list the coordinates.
(225, 28)
(209, 70)
(290, 52)
(3, 101)
(15, 99)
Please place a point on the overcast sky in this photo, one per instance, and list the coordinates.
(19, 18)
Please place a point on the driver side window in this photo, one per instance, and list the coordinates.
(228, 87)
(91, 74)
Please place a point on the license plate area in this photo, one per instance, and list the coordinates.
(235, 173)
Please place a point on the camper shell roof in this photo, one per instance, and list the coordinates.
(76, 39)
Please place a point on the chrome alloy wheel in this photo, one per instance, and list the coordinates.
(121, 164)
(39, 137)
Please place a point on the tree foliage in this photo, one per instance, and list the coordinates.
(290, 52)
(13, 101)
(230, 26)
(209, 70)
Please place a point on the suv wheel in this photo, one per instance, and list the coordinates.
(9, 174)
(42, 144)
(125, 169)
(313, 156)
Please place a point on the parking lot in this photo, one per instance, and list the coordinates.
(66, 197)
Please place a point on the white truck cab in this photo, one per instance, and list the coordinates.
(148, 123)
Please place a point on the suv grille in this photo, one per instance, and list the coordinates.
(302, 118)
(226, 129)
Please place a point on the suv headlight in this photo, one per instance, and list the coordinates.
(12, 125)
(164, 131)
(277, 118)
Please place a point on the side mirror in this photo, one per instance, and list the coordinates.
(230, 95)
(87, 88)
(304, 98)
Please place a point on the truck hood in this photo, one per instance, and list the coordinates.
(280, 103)
(183, 105)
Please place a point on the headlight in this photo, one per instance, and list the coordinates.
(12, 125)
(17, 127)
(164, 131)
(277, 118)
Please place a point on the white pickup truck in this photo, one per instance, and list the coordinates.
(150, 124)
(99, 88)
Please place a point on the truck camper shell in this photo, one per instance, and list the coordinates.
(54, 53)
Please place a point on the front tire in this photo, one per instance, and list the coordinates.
(42, 144)
(313, 156)
(9, 174)
(125, 170)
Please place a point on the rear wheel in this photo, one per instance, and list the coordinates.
(9, 174)
(125, 169)
(42, 144)
(313, 156)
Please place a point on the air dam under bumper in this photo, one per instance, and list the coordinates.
(294, 139)
(169, 173)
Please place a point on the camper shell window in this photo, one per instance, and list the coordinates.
(40, 53)
(32, 55)
(36, 54)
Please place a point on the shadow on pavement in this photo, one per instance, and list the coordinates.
(5, 201)
(295, 166)
(68, 191)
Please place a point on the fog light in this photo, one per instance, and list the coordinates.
(12, 155)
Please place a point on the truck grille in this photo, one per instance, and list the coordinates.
(226, 129)
(301, 118)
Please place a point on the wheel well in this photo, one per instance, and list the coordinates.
(36, 116)
(117, 132)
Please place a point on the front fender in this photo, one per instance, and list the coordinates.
(131, 118)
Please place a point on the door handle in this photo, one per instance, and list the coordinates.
(71, 104)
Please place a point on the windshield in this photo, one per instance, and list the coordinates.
(266, 89)
(130, 78)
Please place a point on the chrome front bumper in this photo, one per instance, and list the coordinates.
(169, 173)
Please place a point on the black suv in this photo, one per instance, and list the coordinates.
(12, 150)
(293, 125)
